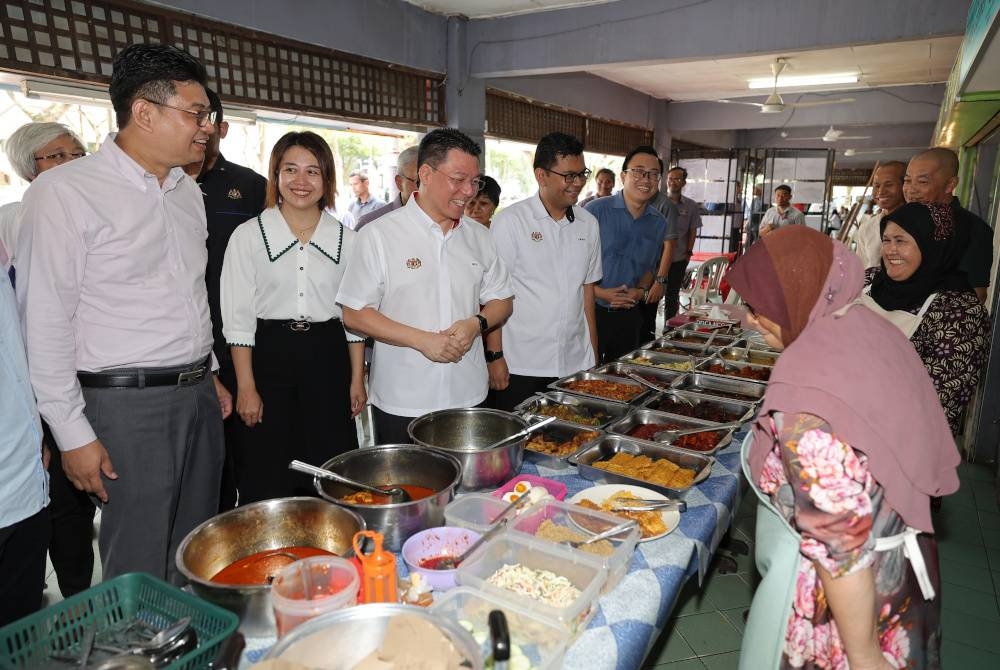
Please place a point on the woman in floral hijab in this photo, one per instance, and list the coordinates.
(847, 449)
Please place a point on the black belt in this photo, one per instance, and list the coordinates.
(296, 326)
(185, 375)
(616, 310)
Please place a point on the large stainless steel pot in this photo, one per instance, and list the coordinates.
(395, 464)
(464, 432)
(340, 640)
(269, 524)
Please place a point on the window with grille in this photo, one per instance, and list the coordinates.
(513, 117)
(76, 39)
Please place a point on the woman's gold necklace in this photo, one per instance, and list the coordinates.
(300, 232)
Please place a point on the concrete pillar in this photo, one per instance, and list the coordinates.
(465, 97)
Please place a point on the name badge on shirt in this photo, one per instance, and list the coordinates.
(536, 236)
(413, 263)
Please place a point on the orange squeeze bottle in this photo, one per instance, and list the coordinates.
(378, 581)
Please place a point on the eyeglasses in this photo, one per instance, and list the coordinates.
(458, 182)
(571, 177)
(407, 178)
(639, 173)
(61, 156)
(203, 118)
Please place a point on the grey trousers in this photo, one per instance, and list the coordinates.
(166, 444)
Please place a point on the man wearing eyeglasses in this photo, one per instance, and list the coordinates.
(553, 253)
(116, 315)
(633, 235)
(426, 283)
(406, 184)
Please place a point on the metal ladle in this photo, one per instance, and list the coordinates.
(396, 494)
(521, 433)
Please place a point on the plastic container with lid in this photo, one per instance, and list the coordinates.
(313, 586)
(586, 523)
(542, 641)
(586, 573)
(475, 511)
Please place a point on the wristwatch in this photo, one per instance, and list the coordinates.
(483, 323)
(493, 356)
(661, 279)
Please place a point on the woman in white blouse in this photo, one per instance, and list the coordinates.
(292, 356)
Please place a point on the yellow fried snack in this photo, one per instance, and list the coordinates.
(660, 471)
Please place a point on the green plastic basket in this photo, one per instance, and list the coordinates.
(115, 603)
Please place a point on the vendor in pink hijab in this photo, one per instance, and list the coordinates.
(847, 449)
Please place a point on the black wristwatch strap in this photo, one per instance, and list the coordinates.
(493, 355)
(483, 323)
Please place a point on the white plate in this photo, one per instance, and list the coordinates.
(598, 494)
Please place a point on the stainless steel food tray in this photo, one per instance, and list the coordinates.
(655, 375)
(655, 357)
(743, 411)
(610, 409)
(762, 357)
(610, 445)
(706, 384)
(732, 367)
(561, 431)
(586, 375)
(642, 417)
(688, 349)
(720, 340)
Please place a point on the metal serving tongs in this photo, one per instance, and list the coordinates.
(643, 505)
(657, 387)
(670, 435)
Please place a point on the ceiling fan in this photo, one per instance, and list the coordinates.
(832, 135)
(774, 103)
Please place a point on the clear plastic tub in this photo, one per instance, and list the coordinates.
(475, 511)
(584, 572)
(542, 641)
(313, 586)
(585, 523)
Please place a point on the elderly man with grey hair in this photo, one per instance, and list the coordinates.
(406, 184)
(32, 149)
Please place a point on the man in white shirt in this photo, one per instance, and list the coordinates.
(553, 253)
(782, 213)
(887, 192)
(115, 309)
(416, 283)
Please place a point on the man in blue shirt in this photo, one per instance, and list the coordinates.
(632, 237)
(24, 495)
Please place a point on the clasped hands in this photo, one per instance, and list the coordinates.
(452, 343)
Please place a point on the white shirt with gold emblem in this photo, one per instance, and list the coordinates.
(549, 263)
(409, 270)
(269, 274)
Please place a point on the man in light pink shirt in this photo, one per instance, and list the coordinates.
(111, 286)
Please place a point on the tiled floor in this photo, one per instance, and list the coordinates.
(707, 627)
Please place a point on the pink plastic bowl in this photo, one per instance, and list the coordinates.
(441, 541)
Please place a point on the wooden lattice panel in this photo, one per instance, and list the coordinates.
(607, 137)
(73, 39)
(517, 119)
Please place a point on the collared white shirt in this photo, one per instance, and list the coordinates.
(412, 272)
(111, 274)
(10, 226)
(869, 240)
(269, 274)
(549, 262)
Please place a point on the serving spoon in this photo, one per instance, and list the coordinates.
(610, 532)
(395, 493)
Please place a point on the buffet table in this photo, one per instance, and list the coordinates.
(631, 616)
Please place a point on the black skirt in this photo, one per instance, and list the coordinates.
(303, 378)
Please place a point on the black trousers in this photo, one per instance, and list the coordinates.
(675, 281)
(618, 332)
(519, 388)
(303, 379)
(227, 488)
(71, 512)
(22, 566)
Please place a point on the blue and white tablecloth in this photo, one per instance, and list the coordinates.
(631, 616)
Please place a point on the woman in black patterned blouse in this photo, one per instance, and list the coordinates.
(922, 289)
